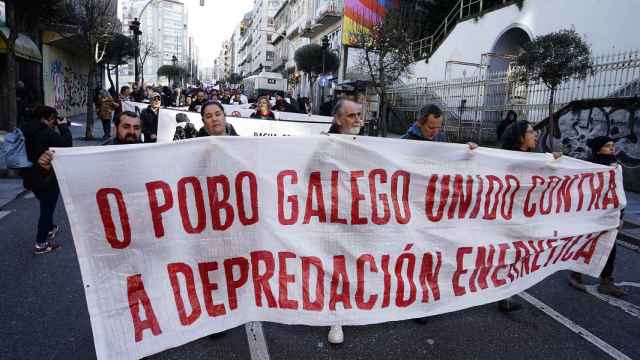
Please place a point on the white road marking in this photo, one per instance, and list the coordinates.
(628, 283)
(5, 213)
(610, 350)
(257, 344)
(629, 308)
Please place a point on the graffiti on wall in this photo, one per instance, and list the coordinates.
(616, 118)
(69, 88)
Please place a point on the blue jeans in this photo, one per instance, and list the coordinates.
(48, 200)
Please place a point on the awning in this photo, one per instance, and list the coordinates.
(25, 47)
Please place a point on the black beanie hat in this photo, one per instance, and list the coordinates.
(598, 142)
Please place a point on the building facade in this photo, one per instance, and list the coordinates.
(164, 29)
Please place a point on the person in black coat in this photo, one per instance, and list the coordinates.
(149, 118)
(508, 120)
(602, 152)
(44, 131)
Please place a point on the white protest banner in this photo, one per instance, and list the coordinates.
(180, 240)
(244, 127)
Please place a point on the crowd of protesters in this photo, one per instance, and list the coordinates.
(47, 130)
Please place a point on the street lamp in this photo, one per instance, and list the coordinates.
(134, 26)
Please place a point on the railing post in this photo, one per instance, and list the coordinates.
(461, 8)
(480, 6)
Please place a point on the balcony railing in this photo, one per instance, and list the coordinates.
(330, 12)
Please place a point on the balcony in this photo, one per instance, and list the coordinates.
(330, 12)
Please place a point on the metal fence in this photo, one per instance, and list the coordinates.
(474, 105)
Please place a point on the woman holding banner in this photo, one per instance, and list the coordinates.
(519, 136)
(214, 120)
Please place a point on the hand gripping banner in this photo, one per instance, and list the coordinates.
(179, 240)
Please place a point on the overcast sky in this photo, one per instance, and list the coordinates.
(212, 24)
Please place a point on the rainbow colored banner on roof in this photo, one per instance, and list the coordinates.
(362, 15)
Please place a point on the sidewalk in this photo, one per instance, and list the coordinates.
(11, 183)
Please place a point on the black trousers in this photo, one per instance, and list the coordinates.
(608, 267)
(48, 200)
(106, 127)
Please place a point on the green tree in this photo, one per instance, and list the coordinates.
(309, 58)
(386, 55)
(172, 72)
(553, 59)
(119, 50)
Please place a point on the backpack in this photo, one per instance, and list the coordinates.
(15, 150)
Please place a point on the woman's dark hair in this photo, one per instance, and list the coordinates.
(44, 112)
(209, 103)
(509, 119)
(514, 134)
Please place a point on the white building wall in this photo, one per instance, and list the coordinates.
(606, 25)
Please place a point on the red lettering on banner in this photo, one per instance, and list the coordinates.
(184, 210)
(530, 211)
(508, 214)
(484, 262)
(428, 278)
(261, 281)
(400, 218)
(568, 254)
(460, 199)
(335, 201)
(156, 209)
(430, 197)
(522, 255)
(253, 196)
(564, 193)
(232, 284)
(583, 177)
(137, 295)
(596, 191)
(284, 279)
(554, 181)
(356, 197)
(318, 303)
(459, 290)
(386, 297)
(360, 263)
(502, 260)
(551, 244)
(410, 259)
(476, 207)
(190, 286)
(291, 199)
(587, 250)
(220, 205)
(611, 196)
(567, 242)
(208, 287)
(375, 217)
(338, 278)
(315, 187)
(537, 250)
(491, 214)
(107, 220)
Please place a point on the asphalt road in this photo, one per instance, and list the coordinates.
(43, 315)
